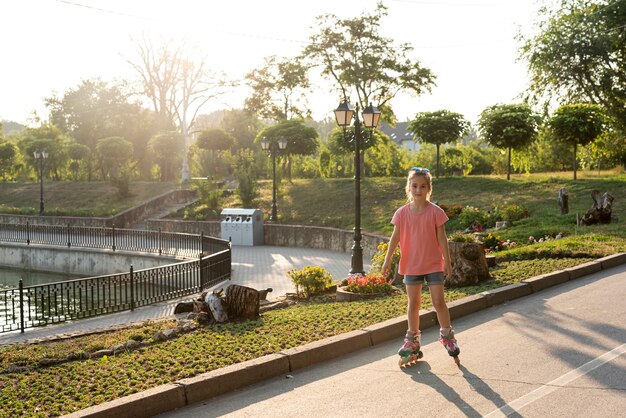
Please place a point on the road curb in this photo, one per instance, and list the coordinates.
(208, 385)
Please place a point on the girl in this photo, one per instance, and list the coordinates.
(418, 227)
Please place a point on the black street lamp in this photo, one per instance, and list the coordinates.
(41, 156)
(272, 149)
(371, 116)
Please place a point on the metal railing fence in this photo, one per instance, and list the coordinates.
(44, 304)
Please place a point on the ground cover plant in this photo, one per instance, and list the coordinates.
(41, 390)
(73, 198)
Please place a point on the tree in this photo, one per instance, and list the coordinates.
(576, 124)
(96, 109)
(8, 154)
(178, 83)
(46, 137)
(439, 127)
(114, 153)
(214, 140)
(364, 65)
(77, 153)
(579, 56)
(301, 139)
(278, 90)
(166, 147)
(512, 126)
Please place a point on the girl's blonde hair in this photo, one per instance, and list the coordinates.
(414, 172)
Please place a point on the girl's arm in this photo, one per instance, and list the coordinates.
(393, 243)
(442, 239)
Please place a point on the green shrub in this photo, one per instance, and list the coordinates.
(310, 280)
(461, 237)
(379, 258)
(513, 213)
(470, 214)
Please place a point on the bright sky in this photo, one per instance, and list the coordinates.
(51, 45)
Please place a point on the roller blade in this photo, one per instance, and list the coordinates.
(406, 361)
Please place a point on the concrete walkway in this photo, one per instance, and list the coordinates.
(258, 267)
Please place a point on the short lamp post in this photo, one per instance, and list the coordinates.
(371, 116)
(41, 156)
(272, 149)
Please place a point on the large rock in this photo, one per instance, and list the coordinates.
(469, 264)
(242, 302)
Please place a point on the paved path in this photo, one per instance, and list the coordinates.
(258, 267)
(557, 353)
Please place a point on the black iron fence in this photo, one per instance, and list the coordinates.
(39, 305)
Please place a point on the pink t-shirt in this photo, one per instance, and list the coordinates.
(419, 247)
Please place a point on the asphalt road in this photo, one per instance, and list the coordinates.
(557, 353)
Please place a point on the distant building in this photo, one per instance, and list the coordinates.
(400, 136)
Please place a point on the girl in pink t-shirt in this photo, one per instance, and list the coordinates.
(418, 227)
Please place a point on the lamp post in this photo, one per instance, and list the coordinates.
(41, 156)
(371, 116)
(272, 149)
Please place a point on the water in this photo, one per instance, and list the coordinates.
(10, 277)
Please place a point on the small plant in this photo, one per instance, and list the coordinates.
(359, 283)
(461, 237)
(379, 258)
(513, 213)
(494, 243)
(469, 215)
(310, 280)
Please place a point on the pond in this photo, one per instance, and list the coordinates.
(10, 277)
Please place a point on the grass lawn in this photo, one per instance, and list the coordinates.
(29, 387)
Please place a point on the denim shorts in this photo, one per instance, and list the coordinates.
(430, 278)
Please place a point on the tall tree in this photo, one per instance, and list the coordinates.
(177, 82)
(8, 154)
(512, 126)
(114, 154)
(301, 139)
(97, 109)
(214, 140)
(364, 65)
(576, 124)
(166, 146)
(439, 127)
(278, 89)
(579, 56)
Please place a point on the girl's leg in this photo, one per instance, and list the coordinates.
(414, 292)
(439, 303)
(446, 335)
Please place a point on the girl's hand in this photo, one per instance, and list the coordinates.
(385, 268)
(447, 270)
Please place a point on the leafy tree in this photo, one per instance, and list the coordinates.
(578, 55)
(214, 140)
(8, 154)
(177, 82)
(301, 139)
(167, 148)
(385, 159)
(577, 124)
(77, 153)
(278, 89)
(46, 137)
(114, 154)
(512, 126)
(439, 127)
(364, 65)
(96, 109)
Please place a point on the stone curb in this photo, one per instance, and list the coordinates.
(217, 382)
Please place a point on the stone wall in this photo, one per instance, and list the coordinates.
(281, 235)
